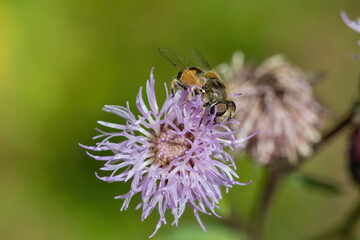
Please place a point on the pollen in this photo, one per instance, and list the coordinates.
(168, 145)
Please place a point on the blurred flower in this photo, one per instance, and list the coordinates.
(172, 157)
(278, 99)
(354, 154)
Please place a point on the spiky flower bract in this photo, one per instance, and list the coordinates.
(174, 155)
(278, 99)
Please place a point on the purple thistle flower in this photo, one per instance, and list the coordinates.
(171, 155)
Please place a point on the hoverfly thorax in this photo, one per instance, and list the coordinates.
(215, 89)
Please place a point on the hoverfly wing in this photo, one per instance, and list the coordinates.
(176, 59)
(203, 62)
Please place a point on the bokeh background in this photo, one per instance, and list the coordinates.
(61, 61)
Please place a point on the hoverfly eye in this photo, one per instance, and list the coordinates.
(221, 108)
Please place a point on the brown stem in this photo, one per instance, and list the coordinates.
(272, 180)
(265, 197)
(337, 128)
(277, 173)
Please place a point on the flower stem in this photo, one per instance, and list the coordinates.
(336, 129)
(276, 173)
(272, 179)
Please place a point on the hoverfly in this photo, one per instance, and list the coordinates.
(203, 80)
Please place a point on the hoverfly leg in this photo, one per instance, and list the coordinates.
(202, 115)
(176, 84)
(195, 91)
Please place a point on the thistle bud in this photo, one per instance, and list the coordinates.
(277, 99)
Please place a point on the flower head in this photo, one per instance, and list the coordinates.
(172, 155)
(278, 99)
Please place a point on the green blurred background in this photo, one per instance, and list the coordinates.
(61, 61)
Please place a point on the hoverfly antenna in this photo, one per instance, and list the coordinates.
(235, 94)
